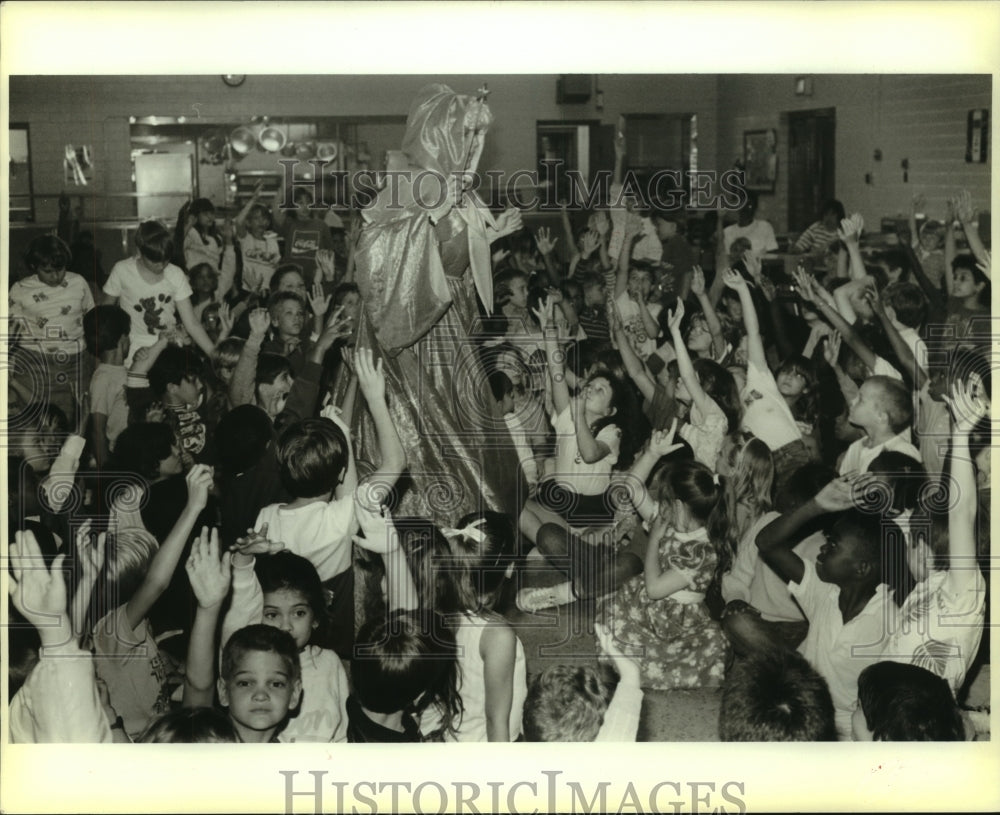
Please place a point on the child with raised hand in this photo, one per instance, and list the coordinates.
(663, 610)
(846, 595)
(59, 702)
(258, 245)
(590, 434)
(708, 422)
(259, 679)
(285, 592)
(943, 616)
(318, 471)
(769, 400)
(129, 660)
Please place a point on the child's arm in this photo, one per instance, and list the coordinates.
(591, 450)
(240, 221)
(277, 213)
(809, 290)
(690, 378)
(850, 234)
(382, 538)
(632, 228)
(351, 394)
(209, 576)
(241, 387)
(246, 607)
(831, 353)
(90, 552)
(186, 312)
(755, 345)
(661, 444)
(161, 570)
(554, 357)
(967, 217)
(659, 583)
(227, 263)
(546, 244)
(949, 248)
(707, 306)
(498, 648)
(775, 541)
(371, 381)
(319, 303)
(635, 367)
(59, 702)
(899, 345)
(968, 406)
(621, 719)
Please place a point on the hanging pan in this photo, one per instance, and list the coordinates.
(242, 140)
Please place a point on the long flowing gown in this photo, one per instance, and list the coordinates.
(419, 282)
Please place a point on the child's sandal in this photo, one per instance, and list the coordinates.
(534, 600)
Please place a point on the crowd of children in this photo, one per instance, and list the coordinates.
(773, 485)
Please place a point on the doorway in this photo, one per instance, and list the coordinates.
(811, 152)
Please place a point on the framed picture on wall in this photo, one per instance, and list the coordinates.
(760, 159)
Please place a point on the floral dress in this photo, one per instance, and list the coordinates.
(683, 646)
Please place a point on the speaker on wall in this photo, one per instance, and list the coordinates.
(573, 89)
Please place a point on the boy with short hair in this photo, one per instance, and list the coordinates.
(844, 595)
(883, 408)
(288, 317)
(633, 286)
(317, 470)
(106, 331)
(776, 696)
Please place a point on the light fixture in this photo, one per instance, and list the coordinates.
(234, 80)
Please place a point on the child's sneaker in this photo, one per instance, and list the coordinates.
(537, 599)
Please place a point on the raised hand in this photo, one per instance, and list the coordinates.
(806, 285)
(840, 493)
(319, 302)
(259, 322)
(674, 318)
(917, 202)
(544, 313)
(968, 404)
(591, 242)
(964, 208)
(509, 221)
(985, 265)
(209, 573)
(199, 483)
(697, 282)
(228, 231)
(850, 228)
(256, 542)
(831, 348)
(544, 240)
(371, 378)
(661, 443)
(38, 592)
(733, 280)
(348, 359)
(499, 255)
(753, 263)
(602, 224)
(874, 301)
(90, 550)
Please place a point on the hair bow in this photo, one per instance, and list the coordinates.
(471, 531)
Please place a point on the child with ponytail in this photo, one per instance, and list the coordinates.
(663, 611)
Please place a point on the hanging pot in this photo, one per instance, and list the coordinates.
(272, 139)
(242, 140)
(213, 145)
(326, 151)
(305, 150)
(289, 149)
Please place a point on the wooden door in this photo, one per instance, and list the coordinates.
(811, 151)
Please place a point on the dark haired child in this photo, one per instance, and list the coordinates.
(302, 229)
(317, 469)
(46, 310)
(402, 665)
(899, 702)
(942, 619)
(284, 591)
(821, 235)
(200, 236)
(883, 409)
(663, 610)
(153, 292)
(593, 313)
(968, 301)
(771, 401)
(710, 390)
(846, 595)
(347, 296)
(106, 330)
(191, 725)
(259, 680)
(258, 245)
(567, 703)
(776, 696)
(633, 289)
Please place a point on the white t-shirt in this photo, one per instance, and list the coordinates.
(632, 324)
(706, 432)
(260, 259)
(840, 651)
(571, 470)
(153, 308)
(760, 233)
(320, 532)
(107, 396)
(859, 455)
(940, 625)
(322, 716)
(765, 412)
(52, 314)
